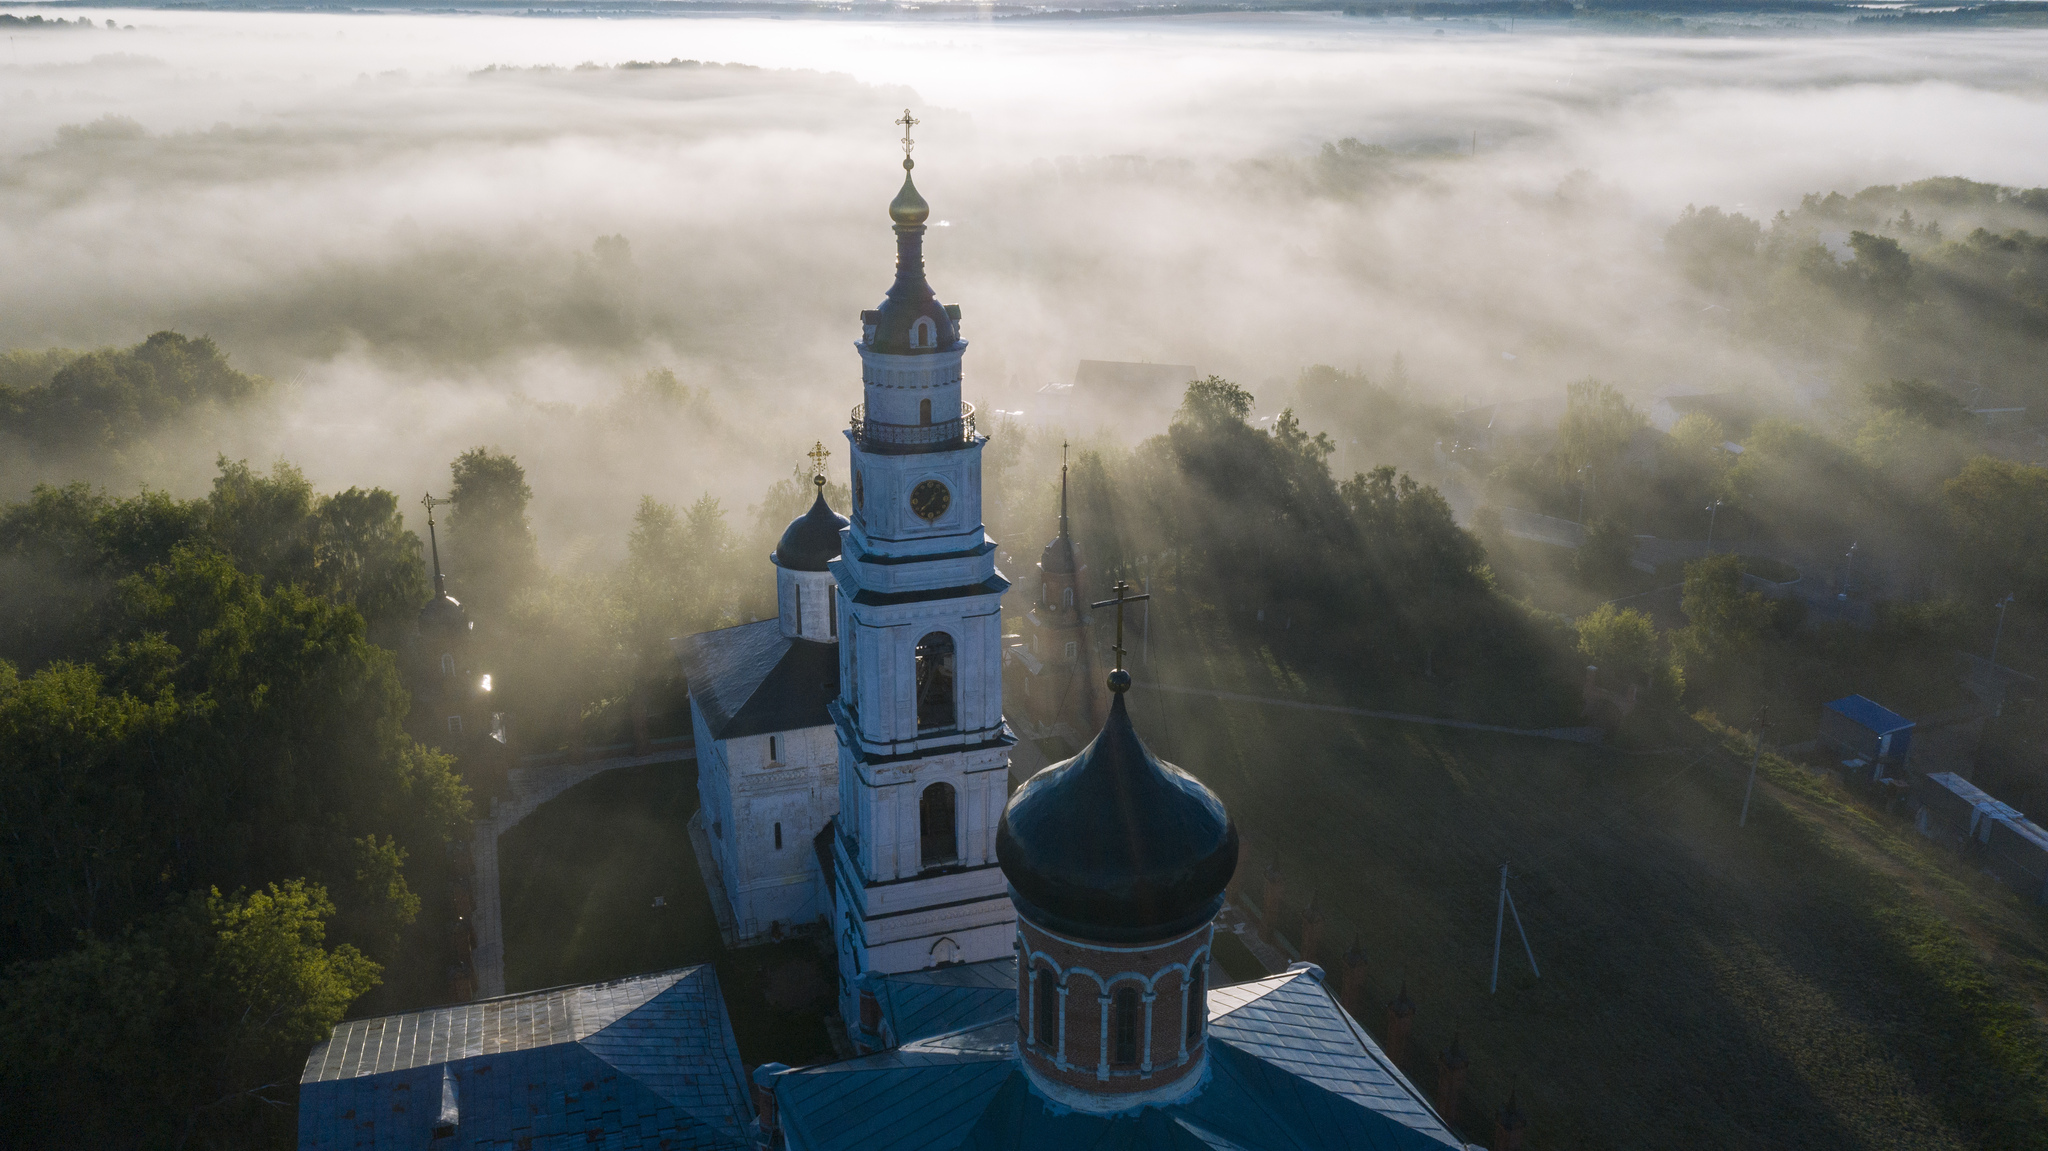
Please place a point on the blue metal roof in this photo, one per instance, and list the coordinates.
(1870, 715)
(942, 999)
(1289, 1069)
(643, 1062)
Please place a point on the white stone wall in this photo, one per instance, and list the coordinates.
(745, 795)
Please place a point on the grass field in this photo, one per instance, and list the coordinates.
(580, 876)
(1820, 979)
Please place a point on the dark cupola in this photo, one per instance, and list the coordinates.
(911, 321)
(811, 541)
(1115, 844)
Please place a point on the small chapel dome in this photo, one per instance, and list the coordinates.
(811, 540)
(443, 613)
(1116, 844)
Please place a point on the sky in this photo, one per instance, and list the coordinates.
(352, 205)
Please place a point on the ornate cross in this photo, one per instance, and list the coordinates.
(819, 454)
(1121, 599)
(908, 121)
(431, 503)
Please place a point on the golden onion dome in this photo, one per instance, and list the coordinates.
(908, 207)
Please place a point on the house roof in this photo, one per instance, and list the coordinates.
(752, 679)
(647, 1061)
(1288, 1069)
(1870, 714)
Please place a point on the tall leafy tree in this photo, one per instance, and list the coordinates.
(492, 555)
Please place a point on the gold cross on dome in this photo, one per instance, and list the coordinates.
(908, 121)
(819, 454)
(1121, 599)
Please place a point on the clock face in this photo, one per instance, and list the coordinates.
(930, 500)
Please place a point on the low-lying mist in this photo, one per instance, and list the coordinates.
(435, 232)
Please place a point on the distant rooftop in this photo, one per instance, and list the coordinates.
(1870, 714)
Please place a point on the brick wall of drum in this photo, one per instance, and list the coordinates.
(1092, 973)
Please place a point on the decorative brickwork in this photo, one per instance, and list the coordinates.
(1082, 1051)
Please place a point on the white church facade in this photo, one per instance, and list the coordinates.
(767, 753)
(868, 792)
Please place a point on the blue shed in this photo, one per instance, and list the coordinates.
(1864, 729)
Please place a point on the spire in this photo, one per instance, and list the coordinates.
(911, 320)
(1063, 491)
(440, 585)
(443, 611)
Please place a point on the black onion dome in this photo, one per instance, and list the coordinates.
(1058, 557)
(811, 540)
(443, 613)
(1116, 844)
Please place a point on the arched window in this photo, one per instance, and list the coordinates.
(447, 663)
(1045, 1010)
(1070, 597)
(924, 412)
(935, 681)
(1123, 1024)
(778, 837)
(832, 609)
(936, 842)
(924, 334)
(1198, 1003)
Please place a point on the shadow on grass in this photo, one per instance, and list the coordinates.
(580, 878)
(1702, 986)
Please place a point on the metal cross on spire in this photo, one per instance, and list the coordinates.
(908, 121)
(1122, 588)
(431, 502)
(819, 453)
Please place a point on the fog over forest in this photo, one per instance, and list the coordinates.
(405, 220)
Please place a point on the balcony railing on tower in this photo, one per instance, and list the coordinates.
(902, 439)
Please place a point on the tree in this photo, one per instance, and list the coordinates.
(492, 554)
(1595, 430)
(191, 1023)
(1602, 560)
(1998, 511)
(1623, 643)
(1727, 625)
(1714, 250)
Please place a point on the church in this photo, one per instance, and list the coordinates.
(1016, 970)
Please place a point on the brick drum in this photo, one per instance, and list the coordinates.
(1091, 973)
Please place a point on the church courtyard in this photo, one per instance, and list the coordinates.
(581, 877)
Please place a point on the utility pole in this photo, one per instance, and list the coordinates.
(1506, 904)
(1763, 720)
(2000, 631)
(1848, 565)
(1713, 511)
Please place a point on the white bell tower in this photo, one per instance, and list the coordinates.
(923, 748)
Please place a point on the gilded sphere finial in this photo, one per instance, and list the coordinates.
(1119, 681)
(819, 479)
